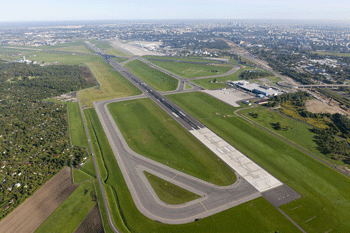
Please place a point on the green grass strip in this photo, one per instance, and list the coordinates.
(152, 76)
(169, 192)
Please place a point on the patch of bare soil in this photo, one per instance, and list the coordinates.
(316, 106)
(92, 222)
(34, 211)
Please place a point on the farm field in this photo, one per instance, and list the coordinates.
(113, 85)
(188, 70)
(116, 52)
(152, 76)
(68, 216)
(168, 192)
(255, 216)
(37, 208)
(152, 133)
(325, 192)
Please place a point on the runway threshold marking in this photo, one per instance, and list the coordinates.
(204, 207)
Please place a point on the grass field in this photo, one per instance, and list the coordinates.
(116, 52)
(333, 54)
(120, 59)
(188, 70)
(80, 176)
(101, 44)
(187, 86)
(77, 49)
(205, 83)
(76, 126)
(113, 85)
(152, 76)
(190, 59)
(325, 202)
(168, 192)
(62, 58)
(152, 133)
(220, 80)
(299, 133)
(68, 216)
(254, 216)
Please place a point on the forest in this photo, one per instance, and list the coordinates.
(34, 136)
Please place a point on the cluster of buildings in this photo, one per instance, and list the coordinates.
(259, 90)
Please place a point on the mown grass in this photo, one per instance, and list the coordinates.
(325, 192)
(80, 176)
(169, 192)
(208, 84)
(77, 49)
(188, 70)
(189, 59)
(205, 82)
(113, 85)
(89, 168)
(255, 216)
(76, 126)
(187, 86)
(152, 133)
(152, 76)
(62, 58)
(116, 52)
(68, 216)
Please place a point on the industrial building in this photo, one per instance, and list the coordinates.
(255, 88)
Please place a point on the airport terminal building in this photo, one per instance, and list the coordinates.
(255, 88)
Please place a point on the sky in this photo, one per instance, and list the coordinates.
(68, 10)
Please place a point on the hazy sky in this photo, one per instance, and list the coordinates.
(51, 10)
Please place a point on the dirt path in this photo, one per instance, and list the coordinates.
(34, 211)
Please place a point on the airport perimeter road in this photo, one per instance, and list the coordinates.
(214, 198)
